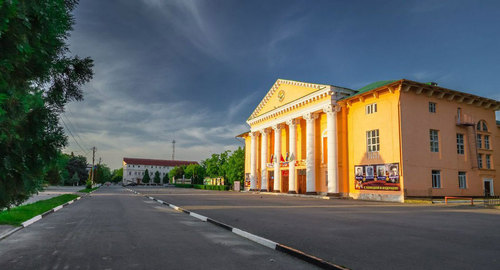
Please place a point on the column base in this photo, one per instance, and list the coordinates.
(311, 193)
(292, 192)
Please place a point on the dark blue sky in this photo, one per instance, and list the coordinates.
(195, 70)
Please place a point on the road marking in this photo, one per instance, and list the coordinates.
(198, 216)
(263, 241)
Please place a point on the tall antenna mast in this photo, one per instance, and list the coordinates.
(173, 150)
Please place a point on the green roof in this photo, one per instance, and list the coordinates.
(370, 87)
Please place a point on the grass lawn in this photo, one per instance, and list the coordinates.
(88, 190)
(17, 215)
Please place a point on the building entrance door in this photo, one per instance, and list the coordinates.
(488, 187)
(301, 181)
(284, 181)
(270, 181)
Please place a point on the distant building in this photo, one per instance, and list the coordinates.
(134, 168)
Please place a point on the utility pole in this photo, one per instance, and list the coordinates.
(93, 160)
(173, 150)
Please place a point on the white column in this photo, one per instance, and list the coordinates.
(277, 157)
(331, 131)
(253, 160)
(310, 164)
(263, 158)
(292, 124)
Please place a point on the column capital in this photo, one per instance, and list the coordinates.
(278, 127)
(292, 122)
(310, 116)
(254, 134)
(331, 108)
(265, 131)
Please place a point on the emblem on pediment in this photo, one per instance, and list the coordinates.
(281, 95)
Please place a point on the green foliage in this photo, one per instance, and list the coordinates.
(195, 172)
(117, 175)
(75, 179)
(211, 187)
(157, 178)
(18, 215)
(146, 177)
(234, 168)
(88, 184)
(78, 165)
(38, 77)
(176, 172)
(165, 179)
(214, 164)
(102, 174)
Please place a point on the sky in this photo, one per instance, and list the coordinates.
(193, 71)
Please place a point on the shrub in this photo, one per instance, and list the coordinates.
(88, 184)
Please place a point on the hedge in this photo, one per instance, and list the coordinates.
(207, 187)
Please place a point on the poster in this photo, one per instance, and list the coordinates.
(377, 177)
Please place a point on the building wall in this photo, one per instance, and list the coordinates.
(386, 120)
(132, 172)
(419, 161)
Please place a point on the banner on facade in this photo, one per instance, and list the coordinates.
(377, 177)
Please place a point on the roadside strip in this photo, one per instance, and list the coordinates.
(37, 218)
(255, 238)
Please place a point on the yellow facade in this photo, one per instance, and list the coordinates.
(372, 144)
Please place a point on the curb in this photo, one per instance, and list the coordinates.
(37, 218)
(254, 238)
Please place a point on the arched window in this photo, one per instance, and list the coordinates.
(481, 126)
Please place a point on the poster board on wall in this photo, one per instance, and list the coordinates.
(377, 177)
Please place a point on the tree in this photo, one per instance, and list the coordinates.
(38, 78)
(195, 172)
(78, 165)
(176, 172)
(214, 164)
(235, 166)
(157, 178)
(146, 177)
(165, 179)
(75, 179)
(117, 175)
(102, 174)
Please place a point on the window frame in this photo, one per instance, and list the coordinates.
(480, 161)
(434, 140)
(479, 141)
(372, 141)
(486, 142)
(488, 161)
(462, 180)
(371, 108)
(432, 107)
(460, 144)
(436, 178)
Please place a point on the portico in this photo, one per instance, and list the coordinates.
(293, 145)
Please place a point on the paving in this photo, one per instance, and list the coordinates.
(115, 229)
(356, 234)
(53, 191)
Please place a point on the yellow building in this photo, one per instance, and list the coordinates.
(372, 143)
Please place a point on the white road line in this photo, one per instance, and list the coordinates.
(198, 216)
(255, 238)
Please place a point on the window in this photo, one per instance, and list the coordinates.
(371, 108)
(479, 141)
(436, 179)
(372, 141)
(479, 161)
(129, 173)
(486, 141)
(460, 144)
(481, 126)
(462, 180)
(432, 107)
(434, 140)
(488, 161)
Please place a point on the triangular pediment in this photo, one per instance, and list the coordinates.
(284, 92)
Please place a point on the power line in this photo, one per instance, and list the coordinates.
(76, 130)
(72, 136)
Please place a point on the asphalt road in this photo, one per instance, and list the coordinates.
(116, 229)
(356, 234)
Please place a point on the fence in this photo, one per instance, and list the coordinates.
(494, 200)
